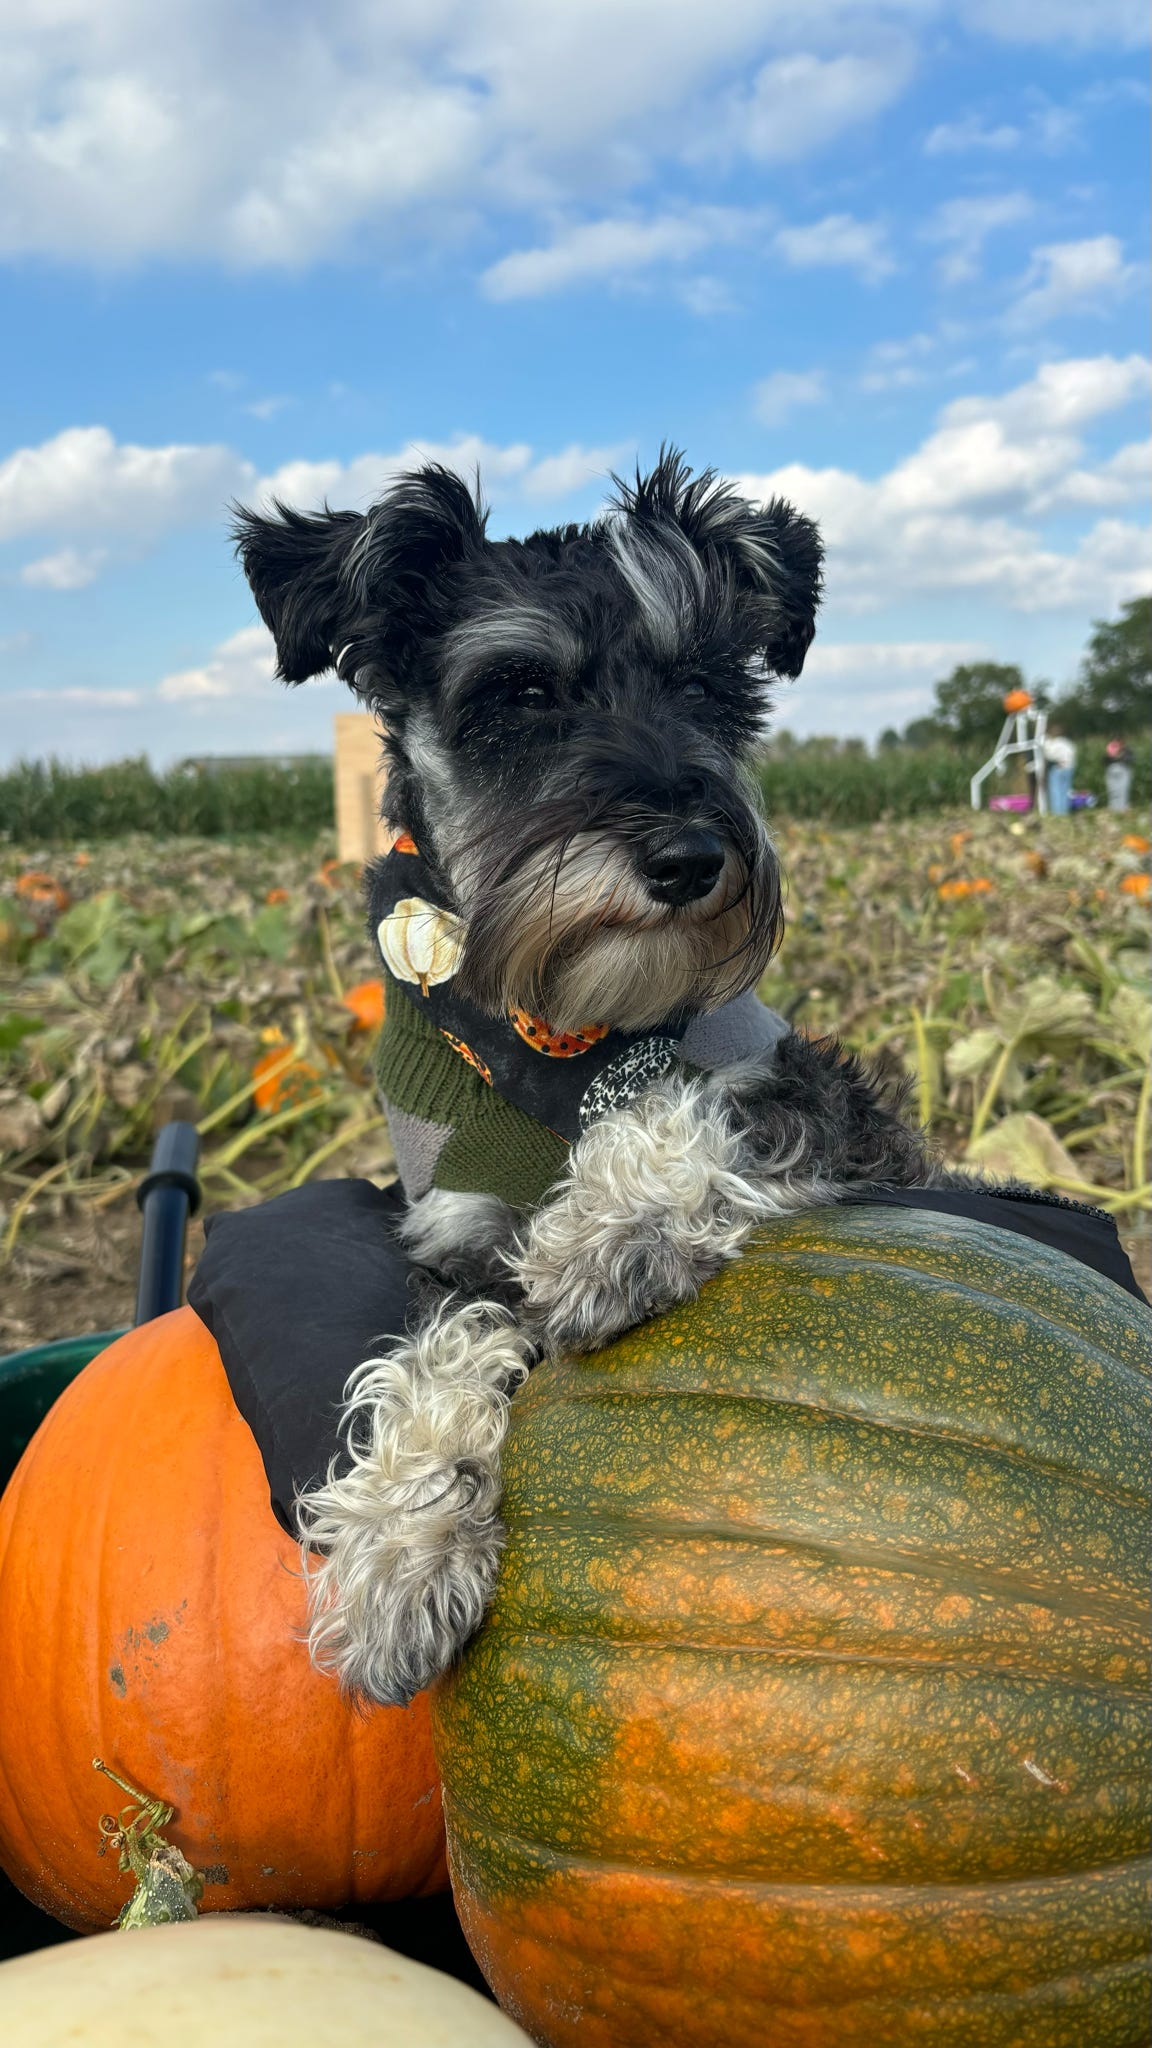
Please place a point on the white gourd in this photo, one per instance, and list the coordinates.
(239, 1981)
(420, 942)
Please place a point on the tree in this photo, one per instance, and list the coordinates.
(1114, 691)
(969, 706)
(923, 732)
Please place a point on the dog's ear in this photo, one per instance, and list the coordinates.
(772, 554)
(426, 523)
(319, 578)
(294, 562)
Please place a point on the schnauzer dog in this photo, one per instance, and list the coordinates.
(570, 721)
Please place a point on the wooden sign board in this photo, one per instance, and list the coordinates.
(359, 765)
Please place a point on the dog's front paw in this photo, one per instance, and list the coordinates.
(653, 1205)
(579, 1303)
(400, 1603)
(401, 1548)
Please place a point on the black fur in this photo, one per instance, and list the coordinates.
(607, 679)
(814, 1096)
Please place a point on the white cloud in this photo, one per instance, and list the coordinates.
(1116, 481)
(799, 103)
(1066, 277)
(896, 365)
(1046, 127)
(971, 132)
(84, 481)
(92, 699)
(242, 666)
(963, 511)
(779, 395)
(860, 686)
(838, 241)
(612, 248)
(511, 472)
(70, 569)
(205, 129)
(964, 226)
(268, 408)
(223, 130)
(1063, 394)
(889, 657)
(1081, 23)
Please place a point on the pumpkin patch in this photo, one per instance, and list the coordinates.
(813, 1707)
(151, 1613)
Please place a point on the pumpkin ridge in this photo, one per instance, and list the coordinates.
(882, 1256)
(942, 1284)
(863, 1418)
(555, 1857)
(791, 1653)
(1100, 1603)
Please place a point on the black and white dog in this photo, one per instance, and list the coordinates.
(570, 723)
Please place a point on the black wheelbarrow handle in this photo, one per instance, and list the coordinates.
(168, 1195)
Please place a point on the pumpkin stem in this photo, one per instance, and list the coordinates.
(138, 1825)
(167, 1886)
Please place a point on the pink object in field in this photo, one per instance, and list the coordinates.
(1009, 803)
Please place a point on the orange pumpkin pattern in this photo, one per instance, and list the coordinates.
(558, 1045)
(466, 1053)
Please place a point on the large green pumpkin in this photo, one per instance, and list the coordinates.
(813, 1708)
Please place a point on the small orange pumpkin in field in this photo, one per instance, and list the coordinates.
(282, 1079)
(41, 893)
(150, 1614)
(366, 1002)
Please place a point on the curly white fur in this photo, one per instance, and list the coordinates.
(657, 1198)
(409, 1534)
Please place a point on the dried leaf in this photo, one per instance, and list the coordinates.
(971, 1055)
(1023, 1147)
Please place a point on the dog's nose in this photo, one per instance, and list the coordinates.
(683, 868)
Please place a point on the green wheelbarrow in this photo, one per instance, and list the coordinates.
(30, 1381)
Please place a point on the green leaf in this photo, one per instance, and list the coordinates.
(16, 1026)
(273, 931)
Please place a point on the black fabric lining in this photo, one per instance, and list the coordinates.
(1087, 1235)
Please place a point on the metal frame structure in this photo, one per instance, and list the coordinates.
(1022, 733)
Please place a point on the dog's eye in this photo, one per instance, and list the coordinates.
(694, 693)
(524, 687)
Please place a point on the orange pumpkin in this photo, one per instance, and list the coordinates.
(366, 1002)
(41, 892)
(1017, 700)
(150, 1614)
(281, 1079)
(1135, 885)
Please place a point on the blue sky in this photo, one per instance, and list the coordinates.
(887, 256)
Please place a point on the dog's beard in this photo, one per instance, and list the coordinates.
(573, 935)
